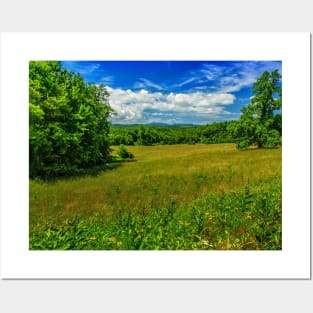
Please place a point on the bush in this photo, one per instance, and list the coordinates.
(273, 139)
(124, 153)
(243, 143)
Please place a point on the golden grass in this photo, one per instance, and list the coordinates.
(158, 175)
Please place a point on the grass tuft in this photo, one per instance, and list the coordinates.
(179, 197)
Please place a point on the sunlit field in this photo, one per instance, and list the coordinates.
(169, 197)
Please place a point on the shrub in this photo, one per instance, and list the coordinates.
(124, 153)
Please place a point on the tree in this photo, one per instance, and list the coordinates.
(147, 136)
(258, 124)
(68, 121)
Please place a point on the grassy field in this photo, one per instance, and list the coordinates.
(170, 197)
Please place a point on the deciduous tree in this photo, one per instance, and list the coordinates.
(258, 124)
(68, 121)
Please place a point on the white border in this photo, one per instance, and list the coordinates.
(292, 262)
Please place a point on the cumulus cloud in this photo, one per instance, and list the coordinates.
(138, 106)
(201, 92)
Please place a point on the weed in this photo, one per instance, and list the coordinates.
(213, 222)
(183, 197)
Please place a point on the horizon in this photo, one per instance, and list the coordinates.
(174, 92)
(161, 124)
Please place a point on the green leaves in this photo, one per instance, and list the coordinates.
(68, 121)
(167, 135)
(265, 89)
(124, 153)
(249, 218)
(258, 125)
(36, 114)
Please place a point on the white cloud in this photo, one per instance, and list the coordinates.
(186, 82)
(132, 106)
(91, 71)
(233, 84)
(146, 83)
(211, 72)
(107, 80)
(82, 67)
(228, 79)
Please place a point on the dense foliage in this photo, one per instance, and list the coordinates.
(68, 121)
(248, 219)
(69, 130)
(151, 135)
(124, 153)
(258, 124)
(173, 196)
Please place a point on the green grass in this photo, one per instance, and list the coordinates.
(169, 197)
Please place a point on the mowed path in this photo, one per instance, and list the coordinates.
(158, 175)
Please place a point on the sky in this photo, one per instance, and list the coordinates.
(175, 92)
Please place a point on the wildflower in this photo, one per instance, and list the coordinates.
(92, 238)
(112, 239)
(119, 243)
(248, 215)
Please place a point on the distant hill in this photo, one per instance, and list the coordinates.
(155, 124)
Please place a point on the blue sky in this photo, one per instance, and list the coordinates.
(175, 92)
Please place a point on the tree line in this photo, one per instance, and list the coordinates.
(260, 124)
(70, 130)
(170, 135)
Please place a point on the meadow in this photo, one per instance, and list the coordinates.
(169, 197)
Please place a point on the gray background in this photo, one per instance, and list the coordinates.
(150, 16)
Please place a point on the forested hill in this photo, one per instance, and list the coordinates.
(171, 134)
(155, 124)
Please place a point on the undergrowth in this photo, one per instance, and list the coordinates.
(245, 219)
